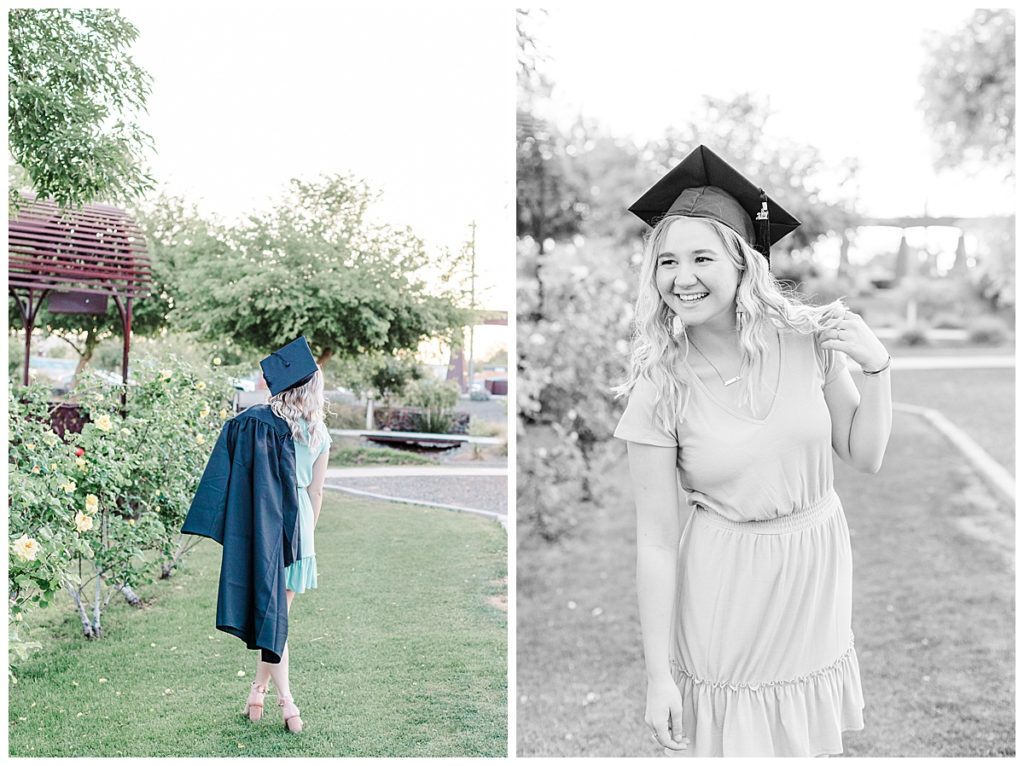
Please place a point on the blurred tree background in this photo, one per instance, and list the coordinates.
(969, 98)
(578, 248)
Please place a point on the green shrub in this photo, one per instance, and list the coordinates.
(434, 421)
(346, 416)
(988, 330)
(436, 399)
(432, 394)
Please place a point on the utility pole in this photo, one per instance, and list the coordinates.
(472, 297)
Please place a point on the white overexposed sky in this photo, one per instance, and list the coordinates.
(843, 77)
(415, 99)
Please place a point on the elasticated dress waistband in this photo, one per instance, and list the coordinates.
(801, 518)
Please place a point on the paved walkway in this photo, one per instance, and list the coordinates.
(479, 490)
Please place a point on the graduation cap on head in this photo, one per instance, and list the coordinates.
(704, 185)
(289, 366)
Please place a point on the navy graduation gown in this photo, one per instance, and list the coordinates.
(248, 502)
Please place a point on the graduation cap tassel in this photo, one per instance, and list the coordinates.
(762, 234)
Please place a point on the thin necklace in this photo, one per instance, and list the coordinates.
(719, 374)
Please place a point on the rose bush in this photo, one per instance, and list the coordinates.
(99, 511)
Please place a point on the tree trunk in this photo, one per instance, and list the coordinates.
(91, 342)
(129, 595)
(96, 607)
(325, 356)
(87, 630)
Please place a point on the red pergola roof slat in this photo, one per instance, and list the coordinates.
(95, 249)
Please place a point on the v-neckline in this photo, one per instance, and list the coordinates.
(731, 410)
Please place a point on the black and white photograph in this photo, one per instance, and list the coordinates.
(765, 384)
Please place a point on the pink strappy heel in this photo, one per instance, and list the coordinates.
(254, 704)
(292, 722)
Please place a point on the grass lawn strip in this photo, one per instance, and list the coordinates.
(933, 614)
(397, 653)
(979, 402)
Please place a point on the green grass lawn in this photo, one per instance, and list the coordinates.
(398, 653)
(933, 614)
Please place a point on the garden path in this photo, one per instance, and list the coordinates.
(479, 490)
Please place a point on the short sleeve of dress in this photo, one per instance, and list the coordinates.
(640, 423)
(325, 445)
(830, 362)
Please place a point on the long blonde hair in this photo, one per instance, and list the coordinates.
(660, 341)
(305, 402)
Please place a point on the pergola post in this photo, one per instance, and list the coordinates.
(96, 250)
(125, 310)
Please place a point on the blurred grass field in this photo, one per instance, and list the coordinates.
(933, 599)
(399, 652)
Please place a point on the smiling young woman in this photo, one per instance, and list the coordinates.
(746, 608)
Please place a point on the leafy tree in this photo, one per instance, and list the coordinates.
(383, 376)
(314, 266)
(72, 95)
(969, 101)
(545, 196)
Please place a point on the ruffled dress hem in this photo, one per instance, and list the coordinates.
(800, 717)
(300, 575)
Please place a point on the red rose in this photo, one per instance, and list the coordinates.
(79, 452)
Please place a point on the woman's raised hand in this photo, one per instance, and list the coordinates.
(851, 335)
(665, 714)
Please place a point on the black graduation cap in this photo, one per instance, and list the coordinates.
(289, 366)
(704, 185)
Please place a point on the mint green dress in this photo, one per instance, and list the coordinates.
(300, 575)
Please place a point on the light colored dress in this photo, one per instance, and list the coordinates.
(762, 645)
(300, 575)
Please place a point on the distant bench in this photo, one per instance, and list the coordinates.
(417, 437)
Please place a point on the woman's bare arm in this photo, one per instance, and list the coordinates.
(861, 420)
(653, 471)
(316, 486)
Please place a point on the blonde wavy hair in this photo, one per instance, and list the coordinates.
(305, 402)
(660, 342)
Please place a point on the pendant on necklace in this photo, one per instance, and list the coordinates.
(732, 380)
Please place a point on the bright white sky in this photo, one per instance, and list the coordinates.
(417, 100)
(840, 76)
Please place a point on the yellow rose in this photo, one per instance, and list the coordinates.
(50, 440)
(103, 422)
(165, 374)
(83, 522)
(216, 360)
(31, 446)
(200, 386)
(200, 439)
(92, 504)
(53, 466)
(35, 469)
(131, 522)
(204, 412)
(223, 414)
(68, 487)
(80, 462)
(25, 548)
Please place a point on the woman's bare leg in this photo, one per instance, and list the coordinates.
(279, 671)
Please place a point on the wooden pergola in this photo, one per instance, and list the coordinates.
(78, 259)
